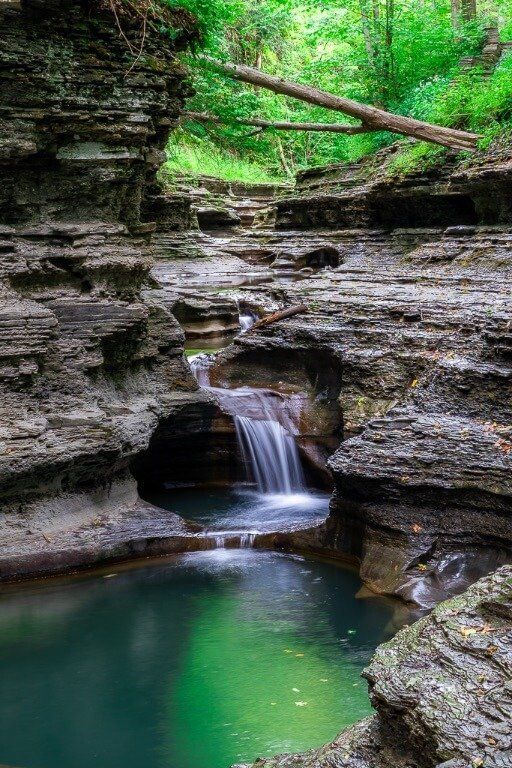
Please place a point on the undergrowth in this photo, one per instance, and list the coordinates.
(193, 157)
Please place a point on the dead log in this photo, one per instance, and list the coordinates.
(280, 315)
(372, 117)
(349, 130)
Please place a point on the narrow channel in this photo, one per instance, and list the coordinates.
(211, 658)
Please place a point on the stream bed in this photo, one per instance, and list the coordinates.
(200, 661)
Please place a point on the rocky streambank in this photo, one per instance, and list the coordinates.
(399, 371)
(402, 360)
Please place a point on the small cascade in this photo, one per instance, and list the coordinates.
(199, 365)
(265, 423)
(271, 455)
(247, 540)
(246, 320)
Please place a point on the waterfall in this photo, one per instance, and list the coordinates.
(246, 320)
(269, 450)
(199, 365)
(271, 455)
(247, 540)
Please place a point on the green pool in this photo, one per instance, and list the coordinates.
(210, 659)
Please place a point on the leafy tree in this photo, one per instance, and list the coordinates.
(402, 55)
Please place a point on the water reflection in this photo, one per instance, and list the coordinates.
(201, 661)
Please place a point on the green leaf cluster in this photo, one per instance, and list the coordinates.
(402, 55)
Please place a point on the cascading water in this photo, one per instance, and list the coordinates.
(246, 320)
(199, 367)
(270, 454)
(266, 423)
(269, 450)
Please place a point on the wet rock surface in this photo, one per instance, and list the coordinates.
(88, 365)
(404, 356)
(441, 690)
(77, 531)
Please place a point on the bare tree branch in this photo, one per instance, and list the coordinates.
(372, 117)
(349, 130)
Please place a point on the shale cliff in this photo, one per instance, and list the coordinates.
(88, 367)
(418, 316)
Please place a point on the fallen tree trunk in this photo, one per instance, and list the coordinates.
(350, 130)
(372, 117)
(280, 315)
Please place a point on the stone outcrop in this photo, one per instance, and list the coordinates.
(419, 318)
(88, 365)
(441, 691)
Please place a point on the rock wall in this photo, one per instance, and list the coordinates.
(441, 689)
(423, 493)
(410, 336)
(88, 365)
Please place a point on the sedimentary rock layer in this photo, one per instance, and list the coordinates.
(409, 337)
(88, 366)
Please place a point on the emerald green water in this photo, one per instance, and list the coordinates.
(207, 660)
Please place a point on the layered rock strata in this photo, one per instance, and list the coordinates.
(441, 690)
(419, 319)
(88, 365)
(409, 338)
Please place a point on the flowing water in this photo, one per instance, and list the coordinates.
(207, 659)
(241, 509)
(271, 456)
(265, 422)
(210, 659)
(247, 320)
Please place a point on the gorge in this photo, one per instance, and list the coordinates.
(254, 508)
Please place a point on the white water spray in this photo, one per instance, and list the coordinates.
(199, 365)
(268, 449)
(246, 320)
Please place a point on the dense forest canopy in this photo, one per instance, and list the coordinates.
(401, 55)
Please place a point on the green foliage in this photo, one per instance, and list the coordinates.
(402, 55)
(190, 156)
(212, 17)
